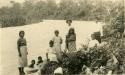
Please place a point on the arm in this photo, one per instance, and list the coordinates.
(47, 55)
(29, 70)
(61, 41)
(33, 71)
(66, 41)
(18, 47)
(26, 45)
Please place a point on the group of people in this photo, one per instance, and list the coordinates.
(54, 52)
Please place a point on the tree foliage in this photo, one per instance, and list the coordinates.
(35, 11)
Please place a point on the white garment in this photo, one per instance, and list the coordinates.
(39, 68)
(100, 28)
(52, 54)
(86, 41)
(57, 40)
(93, 43)
(59, 70)
(115, 60)
(88, 71)
(28, 70)
(109, 72)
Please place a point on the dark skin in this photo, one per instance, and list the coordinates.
(57, 34)
(21, 35)
(50, 45)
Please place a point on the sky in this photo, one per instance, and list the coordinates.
(7, 2)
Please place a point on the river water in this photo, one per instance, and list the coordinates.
(38, 36)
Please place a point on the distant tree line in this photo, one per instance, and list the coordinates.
(32, 11)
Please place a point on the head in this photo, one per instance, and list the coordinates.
(33, 62)
(84, 67)
(39, 58)
(71, 31)
(92, 36)
(56, 32)
(21, 34)
(69, 22)
(51, 43)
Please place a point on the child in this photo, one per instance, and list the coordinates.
(51, 54)
(40, 60)
(31, 69)
(57, 40)
(22, 50)
(39, 64)
(71, 40)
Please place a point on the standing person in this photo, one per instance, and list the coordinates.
(22, 50)
(99, 30)
(57, 44)
(71, 40)
(69, 22)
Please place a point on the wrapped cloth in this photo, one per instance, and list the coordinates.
(52, 54)
(31, 71)
(59, 70)
(23, 59)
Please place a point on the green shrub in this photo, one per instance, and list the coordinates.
(8, 21)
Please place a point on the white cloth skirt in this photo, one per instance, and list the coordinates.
(23, 58)
(52, 57)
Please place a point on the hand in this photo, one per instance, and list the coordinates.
(20, 55)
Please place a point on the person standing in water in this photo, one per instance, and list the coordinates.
(22, 51)
(71, 40)
(69, 22)
(57, 44)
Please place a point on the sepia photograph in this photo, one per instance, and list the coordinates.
(62, 37)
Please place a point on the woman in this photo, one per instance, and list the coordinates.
(22, 50)
(57, 40)
(71, 40)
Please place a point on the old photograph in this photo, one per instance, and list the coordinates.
(62, 37)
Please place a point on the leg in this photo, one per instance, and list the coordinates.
(22, 71)
(19, 70)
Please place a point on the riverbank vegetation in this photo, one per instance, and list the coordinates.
(35, 11)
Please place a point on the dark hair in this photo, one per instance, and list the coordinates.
(32, 61)
(71, 29)
(67, 21)
(51, 42)
(39, 57)
(39, 61)
(21, 32)
(56, 31)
